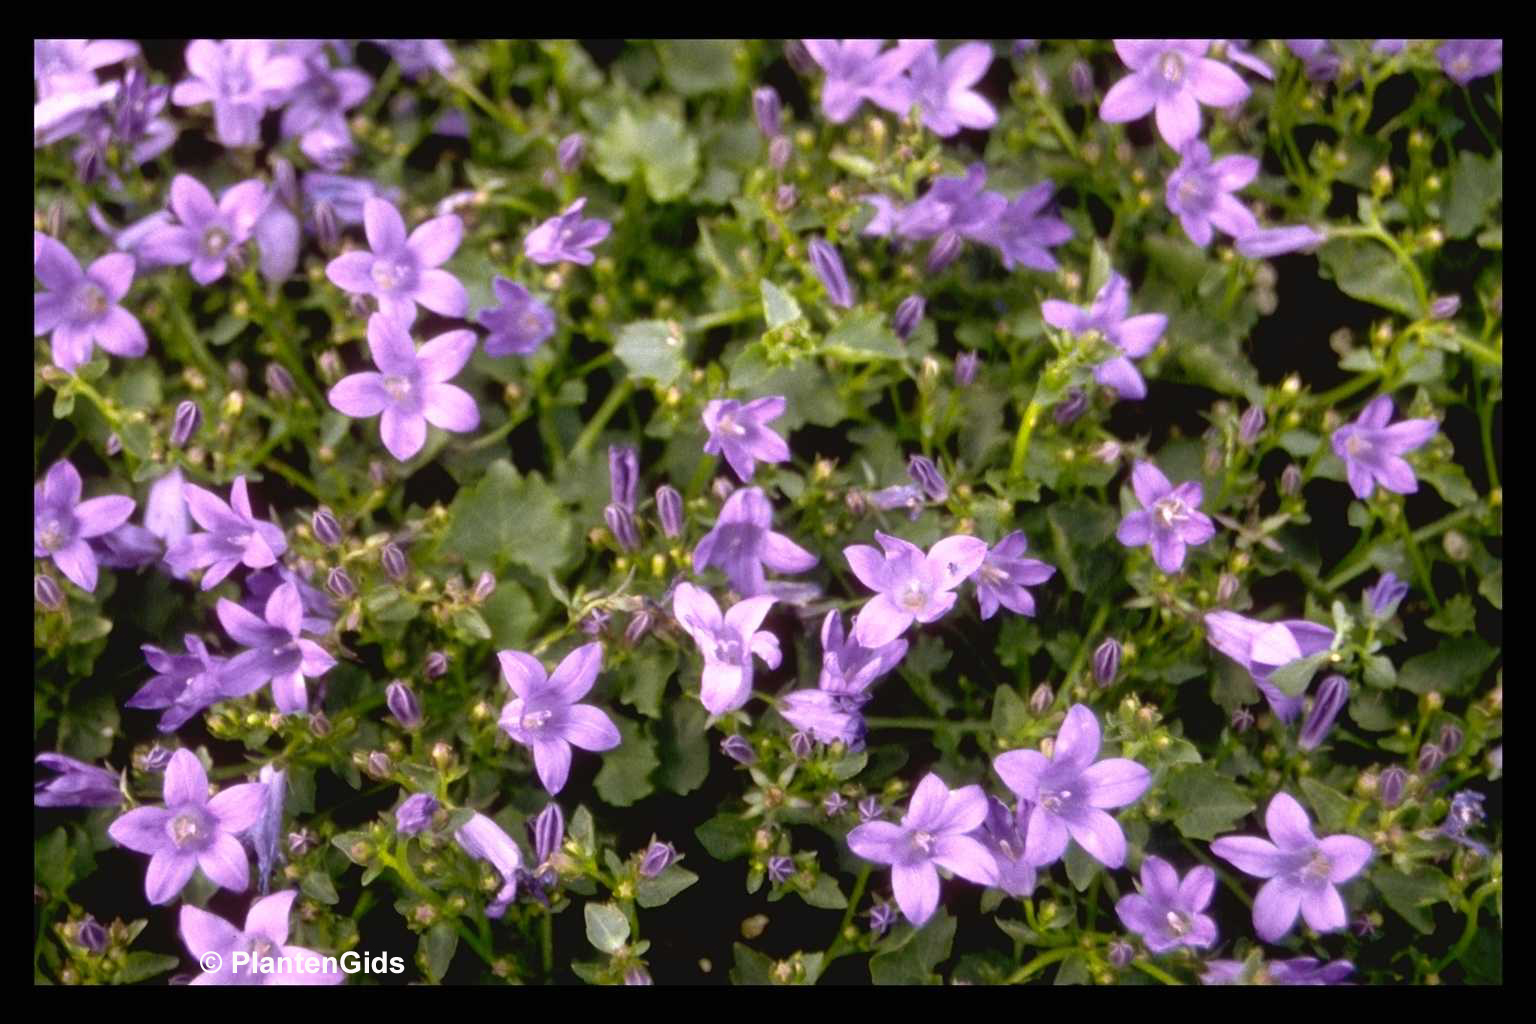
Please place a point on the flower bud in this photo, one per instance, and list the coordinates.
(1332, 695)
(965, 369)
(91, 935)
(325, 527)
(485, 586)
(435, 666)
(1290, 480)
(908, 315)
(188, 418)
(1106, 662)
(639, 626)
(1389, 788)
(722, 488)
(340, 584)
(1242, 720)
(765, 105)
(1383, 597)
(1451, 738)
(1121, 953)
(1041, 700)
(1431, 757)
(1445, 306)
(1108, 452)
(319, 725)
(594, 622)
(738, 749)
(622, 525)
(328, 363)
(1080, 77)
(570, 151)
(834, 804)
(114, 444)
(658, 857)
(829, 268)
(279, 381)
(881, 917)
(378, 765)
(779, 152)
(1226, 587)
(870, 809)
(669, 509)
(327, 225)
(1457, 547)
(1070, 408)
(946, 249)
(548, 832)
(157, 758)
(785, 197)
(800, 745)
(638, 975)
(47, 593)
(1251, 424)
(403, 704)
(927, 476)
(415, 814)
(623, 474)
(780, 869)
(393, 561)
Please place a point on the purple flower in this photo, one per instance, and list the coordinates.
(484, 840)
(70, 65)
(242, 78)
(1134, 336)
(1023, 234)
(207, 234)
(543, 713)
(1372, 451)
(62, 523)
(829, 268)
(415, 814)
(943, 91)
(418, 56)
(1240, 56)
(412, 389)
(184, 684)
(165, 513)
(927, 476)
(909, 585)
(317, 110)
(234, 535)
(959, 205)
(727, 642)
(319, 613)
(909, 313)
(1332, 695)
(1382, 599)
(81, 307)
(1168, 519)
(1200, 193)
(1166, 912)
(1069, 792)
(191, 831)
(519, 325)
(401, 272)
(1003, 834)
(657, 858)
(743, 542)
(277, 652)
(264, 833)
(856, 69)
(623, 474)
(1302, 871)
(737, 431)
(1267, 242)
(1466, 811)
(1004, 575)
(1174, 76)
(830, 713)
(568, 237)
(932, 835)
(77, 784)
(265, 937)
(1262, 647)
(669, 509)
(1306, 970)
(1466, 59)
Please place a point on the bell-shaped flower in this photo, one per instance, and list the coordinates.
(403, 271)
(62, 523)
(276, 650)
(742, 543)
(543, 713)
(727, 642)
(1262, 647)
(911, 586)
(234, 536)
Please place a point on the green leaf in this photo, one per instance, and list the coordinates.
(1206, 803)
(1370, 711)
(510, 614)
(1455, 618)
(684, 747)
(1476, 184)
(1010, 713)
(651, 351)
(87, 731)
(1367, 270)
(1330, 806)
(910, 958)
(656, 892)
(1451, 668)
(1380, 672)
(810, 394)
(752, 967)
(317, 885)
(436, 948)
(725, 836)
(607, 927)
(779, 307)
(863, 337)
(539, 536)
(825, 894)
(1409, 894)
(1081, 867)
(581, 829)
(645, 678)
(471, 625)
(1292, 679)
(653, 145)
(140, 965)
(693, 66)
(1491, 587)
(1451, 481)
(626, 773)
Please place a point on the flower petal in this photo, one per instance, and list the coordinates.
(880, 841)
(966, 857)
(168, 874)
(185, 780)
(1115, 782)
(239, 807)
(225, 863)
(587, 727)
(917, 890)
(1275, 909)
(384, 227)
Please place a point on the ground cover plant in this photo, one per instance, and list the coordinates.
(768, 512)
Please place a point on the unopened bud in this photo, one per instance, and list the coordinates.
(800, 745)
(869, 809)
(1242, 720)
(638, 975)
(1451, 738)
(1332, 695)
(188, 418)
(669, 509)
(485, 586)
(965, 369)
(908, 315)
(623, 474)
(413, 816)
(785, 197)
(834, 804)
(1227, 587)
(1041, 700)
(944, 252)
(340, 584)
(1251, 424)
(639, 625)
(1390, 787)
(1457, 547)
(319, 725)
(279, 381)
(1106, 662)
(780, 869)
(548, 831)
(927, 476)
(327, 226)
(394, 563)
(435, 666)
(738, 749)
(1121, 953)
(658, 857)
(47, 593)
(114, 444)
(1290, 480)
(91, 935)
(1080, 77)
(799, 57)
(378, 765)
(779, 152)
(570, 151)
(1431, 757)
(1070, 408)
(325, 527)
(1445, 306)
(765, 105)
(403, 704)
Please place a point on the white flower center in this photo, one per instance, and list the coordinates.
(728, 425)
(188, 829)
(1171, 67)
(90, 302)
(535, 719)
(215, 241)
(54, 533)
(399, 388)
(1055, 801)
(1178, 924)
(912, 595)
(1169, 511)
(990, 574)
(1317, 868)
(1354, 446)
(922, 841)
(388, 274)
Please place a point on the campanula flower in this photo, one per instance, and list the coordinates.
(70, 65)
(81, 308)
(910, 586)
(1372, 451)
(1262, 647)
(828, 265)
(276, 650)
(483, 839)
(402, 272)
(1004, 574)
(1466, 59)
(242, 78)
(1267, 242)
(519, 325)
(1166, 913)
(264, 834)
(1168, 520)
(739, 432)
(317, 110)
(1004, 834)
(234, 536)
(1175, 77)
(855, 68)
(211, 939)
(543, 713)
(415, 813)
(77, 784)
(1134, 336)
(942, 90)
(742, 543)
(567, 238)
(1024, 233)
(207, 234)
(184, 684)
(727, 642)
(831, 712)
(1200, 193)
(62, 523)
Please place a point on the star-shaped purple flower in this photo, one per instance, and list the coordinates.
(727, 642)
(1134, 336)
(1302, 870)
(1169, 517)
(1373, 451)
(743, 542)
(942, 90)
(77, 784)
(1069, 793)
(738, 432)
(70, 65)
(276, 650)
(1200, 193)
(483, 839)
(1004, 834)
(207, 234)
(567, 238)
(1466, 59)
(234, 535)
(317, 110)
(910, 586)
(242, 78)
(214, 940)
(960, 204)
(411, 389)
(1004, 575)
(519, 325)
(1262, 647)
(1023, 234)
(830, 713)
(856, 68)
(82, 306)
(403, 271)
(62, 523)
(1166, 913)
(935, 833)
(191, 831)
(184, 684)
(1175, 77)
(543, 713)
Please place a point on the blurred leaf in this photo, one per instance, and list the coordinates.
(1476, 184)
(684, 747)
(653, 145)
(862, 337)
(779, 307)
(1367, 270)
(626, 773)
(539, 536)
(1205, 804)
(1451, 668)
(650, 351)
(725, 836)
(693, 66)
(607, 927)
(910, 957)
(656, 892)
(1410, 894)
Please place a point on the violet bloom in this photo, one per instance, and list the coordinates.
(77, 784)
(191, 831)
(207, 234)
(402, 271)
(264, 833)
(416, 57)
(959, 206)
(567, 238)
(415, 814)
(727, 643)
(1302, 870)
(165, 512)
(319, 613)
(519, 325)
(1166, 913)
(737, 430)
(265, 937)
(910, 586)
(1306, 970)
(829, 268)
(1372, 451)
(831, 712)
(1200, 193)
(1175, 77)
(1169, 517)
(1466, 59)
(856, 68)
(1023, 234)
(1134, 336)
(1382, 598)
(943, 91)
(543, 713)
(234, 535)
(1238, 54)
(1004, 834)
(70, 65)
(183, 685)
(1262, 647)
(1267, 242)
(412, 388)
(483, 839)
(932, 835)
(62, 523)
(1069, 793)
(277, 651)
(242, 78)
(317, 109)
(81, 307)
(742, 543)
(1004, 575)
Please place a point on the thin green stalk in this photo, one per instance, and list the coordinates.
(605, 412)
(926, 724)
(1041, 962)
(835, 950)
(1420, 567)
(1152, 970)
(1021, 440)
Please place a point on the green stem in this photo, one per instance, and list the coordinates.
(1354, 567)
(835, 950)
(1420, 567)
(1154, 971)
(1040, 962)
(926, 723)
(1021, 440)
(1343, 391)
(547, 945)
(605, 412)
(1472, 908)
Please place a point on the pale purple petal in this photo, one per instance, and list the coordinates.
(1275, 909)
(185, 780)
(965, 857)
(917, 890)
(1115, 782)
(552, 758)
(1254, 856)
(167, 875)
(225, 863)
